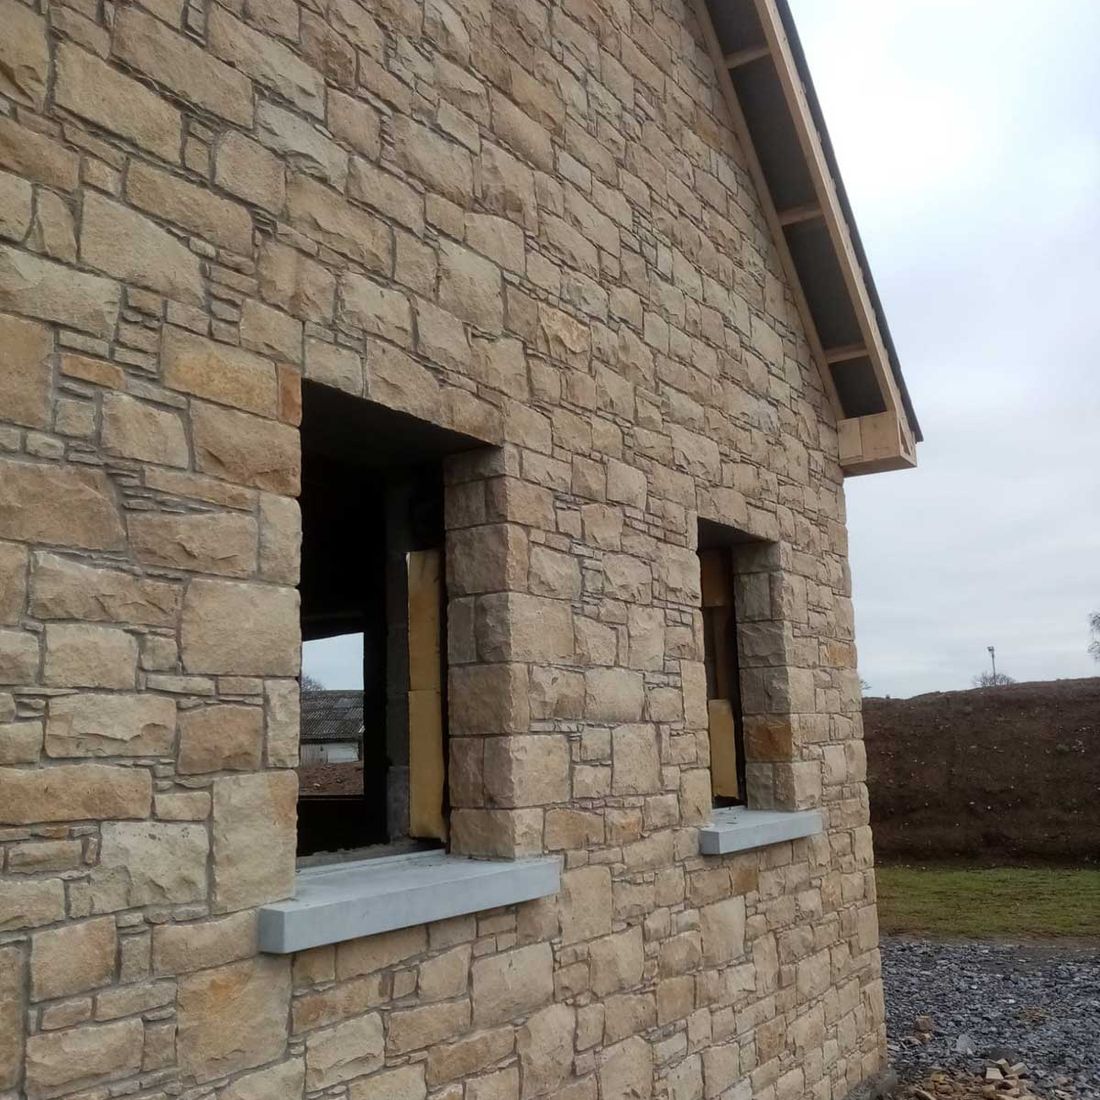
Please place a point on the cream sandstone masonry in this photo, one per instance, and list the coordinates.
(538, 223)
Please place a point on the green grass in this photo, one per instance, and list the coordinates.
(1000, 902)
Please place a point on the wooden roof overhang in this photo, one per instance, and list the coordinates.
(766, 83)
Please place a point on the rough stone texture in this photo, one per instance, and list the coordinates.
(19, 657)
(526, 223)
(40, 288)
(137, 429)
(91, 88)
(220, 738)
(511, 984)
(66, 1061)
(13, 582)
(247, 629)
(110, 724)
(191, 207)
(245, 449)
(301, 144)
(285, 1079)
(218, 372)
(545, 1045)
(159, 862)
(182, 948)
(283, 709)
(270, 332)
(64, 588)
(233, 1017)
(347, 1050)
(25, 373)
(246, 169)
(30, 904)
(254, 838)
(20, 742)
(59, 505)
(586, 904)
(152, 258)
(24, 55)
(37, 157)
(83, 655)
(73, 959)
(211, 542)
(54, 231)
(179, 64)
(73, 792)
(406, 1083)
(11, 1015)
(266, 60)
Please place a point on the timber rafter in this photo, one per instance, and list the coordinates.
(765, 82)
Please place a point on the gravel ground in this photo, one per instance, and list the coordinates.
(1038, 1004)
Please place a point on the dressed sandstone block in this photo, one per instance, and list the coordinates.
(143, 431)
(511, 984)
(74, 792)
(66, 1061)
(73, 959)
(178, 63)
(61, 505)
(25, 364)
(203, 542)
(233, 1017)
(233, 628)
(158, 862)
(254, 838)
(110, 724)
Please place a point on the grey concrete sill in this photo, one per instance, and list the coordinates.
(343, 901)
(739, 829)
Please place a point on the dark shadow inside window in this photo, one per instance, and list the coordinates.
(373, 566)
(718, 566)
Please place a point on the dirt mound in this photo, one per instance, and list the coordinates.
(329, 779)
(1004, 773)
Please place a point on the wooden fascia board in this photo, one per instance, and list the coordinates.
(825, 187)
(874, 443)
(771, 215)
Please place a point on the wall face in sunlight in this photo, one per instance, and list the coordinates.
(525, 223)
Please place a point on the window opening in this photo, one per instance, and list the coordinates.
(725, 719)
(373, 581)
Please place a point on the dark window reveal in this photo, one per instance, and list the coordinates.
(724, 715)
(373, 565)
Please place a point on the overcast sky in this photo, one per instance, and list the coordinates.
(968, 135)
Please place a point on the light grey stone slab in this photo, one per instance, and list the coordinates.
(739, 829)
(343, 901)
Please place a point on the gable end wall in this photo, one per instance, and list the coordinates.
(526, 221)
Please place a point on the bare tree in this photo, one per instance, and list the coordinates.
(311, 683)
(991, 679)
(1094, 630)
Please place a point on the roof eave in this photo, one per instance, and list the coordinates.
(765, 80)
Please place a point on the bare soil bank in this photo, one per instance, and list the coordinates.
(1002, 774)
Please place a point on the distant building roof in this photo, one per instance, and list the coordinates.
(332, 716)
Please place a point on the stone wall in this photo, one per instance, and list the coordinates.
(522, 219)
